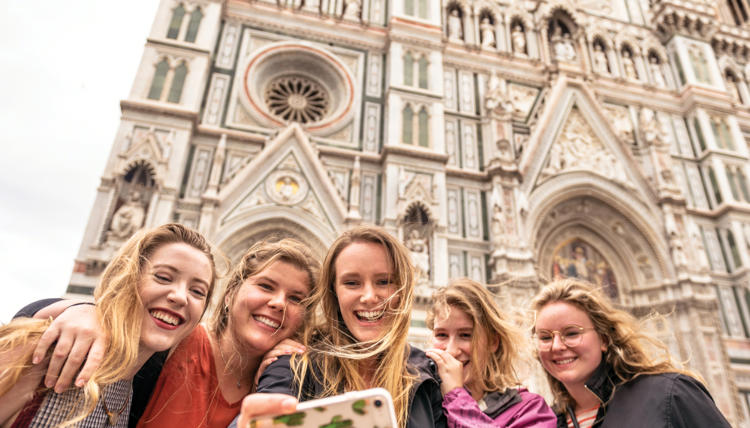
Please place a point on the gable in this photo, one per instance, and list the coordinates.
(287, 175)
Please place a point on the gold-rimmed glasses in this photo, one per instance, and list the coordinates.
(570, 336)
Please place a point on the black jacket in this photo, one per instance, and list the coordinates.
(426, 401)
(669, 400)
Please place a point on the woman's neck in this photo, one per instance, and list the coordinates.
(367, 369)
(143, 356)
(235, 365)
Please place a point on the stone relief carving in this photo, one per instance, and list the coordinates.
(497, 96)
(577, 148)
(522, 98)
(621, 122)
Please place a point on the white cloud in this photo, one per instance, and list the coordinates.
(66, 66)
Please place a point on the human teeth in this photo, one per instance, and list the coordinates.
(370, 315)
(165, 317)
(569, 360)
(267, 321)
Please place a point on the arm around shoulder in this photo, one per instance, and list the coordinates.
(691, 405)
(278, 378)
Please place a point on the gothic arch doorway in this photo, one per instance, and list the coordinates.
(586, 238)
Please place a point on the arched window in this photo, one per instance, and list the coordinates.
(195, 22)
(732, 183)
(699, 134)
(423, 72)
(178, 81)
(176, 23)
(424, 132)
(407, 125)
(157, 84)
(408, 69)
(714, 186)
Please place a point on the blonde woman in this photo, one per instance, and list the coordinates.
(476, 349)
(357, 329)
(600, 369)
(151, 295)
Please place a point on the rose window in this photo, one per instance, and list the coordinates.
(297, 99)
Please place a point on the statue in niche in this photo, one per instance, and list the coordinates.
(497, 213)
(420, 256)
(601, 65)
(351, 9)
(128, 218)
(678, 249)
(628, 65)
(488, 33)
(454, 25)
(562, 45)
(518, 40)
(656, 72)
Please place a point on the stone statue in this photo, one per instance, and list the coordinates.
(562, 45)
(601, 65)
(696, 242)
(454, 25)
(518, 40)
(128, 218)
(488, 33)
(420, 255)
(351, 9)
(628, 65)
(656, 72)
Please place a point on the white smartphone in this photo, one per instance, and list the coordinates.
(371, 408)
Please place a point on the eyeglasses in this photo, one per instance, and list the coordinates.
(570, 336)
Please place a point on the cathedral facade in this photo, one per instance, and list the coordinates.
(501, 140)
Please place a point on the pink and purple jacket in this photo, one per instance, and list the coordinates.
(514, 408)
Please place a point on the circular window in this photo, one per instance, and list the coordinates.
(297, 99)
(297, 82)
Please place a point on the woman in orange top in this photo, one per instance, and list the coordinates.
(203, 382)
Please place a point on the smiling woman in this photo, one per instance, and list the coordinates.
(601, 368)
(151, 296)
(356, 331)
(476, 349)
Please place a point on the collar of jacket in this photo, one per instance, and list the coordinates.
(498, 402)
(601, 382)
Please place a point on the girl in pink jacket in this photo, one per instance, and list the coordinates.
(475, 348)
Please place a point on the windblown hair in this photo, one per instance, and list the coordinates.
(492, 371)
(332, 346)
(119, 309)
(626, 341)
(261, 255)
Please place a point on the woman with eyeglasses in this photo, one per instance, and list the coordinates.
(600, 369)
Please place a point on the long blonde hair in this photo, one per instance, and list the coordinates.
(492, 371)
(626, 341)
(333, 348)
(119, 309)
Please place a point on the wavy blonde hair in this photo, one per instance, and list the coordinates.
(492, 371)
(337, 352)
(258, 257)
(119, 309)
(626, 341)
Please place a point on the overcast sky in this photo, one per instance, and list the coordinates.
(64, 68)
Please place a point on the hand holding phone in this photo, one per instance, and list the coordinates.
(371, 408)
